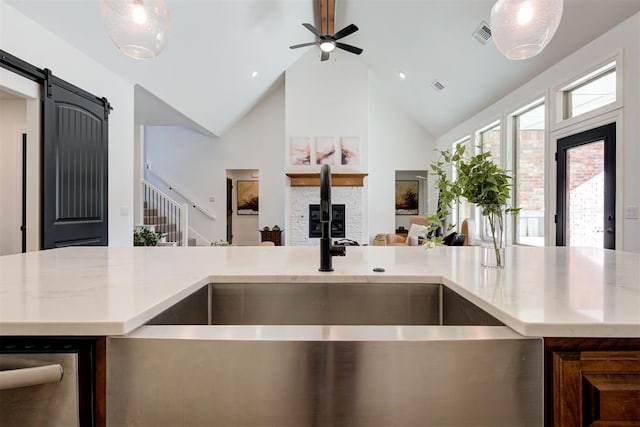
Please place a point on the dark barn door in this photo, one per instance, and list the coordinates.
(74, 176)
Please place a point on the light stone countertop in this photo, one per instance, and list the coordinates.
(561, 292)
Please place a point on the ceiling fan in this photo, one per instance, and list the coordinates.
(327, 41)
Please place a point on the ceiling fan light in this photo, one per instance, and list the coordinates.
(521, 29)
(139, 28)
(328, 46)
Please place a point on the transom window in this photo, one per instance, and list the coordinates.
(591, 92)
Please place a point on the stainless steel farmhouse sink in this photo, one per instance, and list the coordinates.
(324, 354)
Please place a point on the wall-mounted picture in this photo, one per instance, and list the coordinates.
(301, 150)
(350, 151)
(406, 197)
(325, 150)
(247, 197)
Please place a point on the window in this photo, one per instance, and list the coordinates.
(529, 175)
(590, 92)
(490, 141)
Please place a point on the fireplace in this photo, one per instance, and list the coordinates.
(299, 214)
(337, 221)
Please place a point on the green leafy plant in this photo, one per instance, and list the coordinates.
(220, 243)
(481, 182)
(144, 236)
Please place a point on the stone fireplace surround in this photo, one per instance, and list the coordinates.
(306, 192)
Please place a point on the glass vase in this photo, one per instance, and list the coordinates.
(493, 236)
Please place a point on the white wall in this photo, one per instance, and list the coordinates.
(245, 227)
(13, 122)
(257, 142)
(31, 42)
(396, 142)
(328, 98)
(626, 38)
(197, 164)
(187, 161)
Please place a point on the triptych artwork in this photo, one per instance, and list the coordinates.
(322, 150)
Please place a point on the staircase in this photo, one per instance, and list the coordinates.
(159, 223)
(165, 215)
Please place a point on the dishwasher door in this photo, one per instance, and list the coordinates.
(39, 389)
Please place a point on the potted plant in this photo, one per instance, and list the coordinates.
(481, 182)
(144, 236)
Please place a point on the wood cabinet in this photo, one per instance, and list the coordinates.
(593, 382)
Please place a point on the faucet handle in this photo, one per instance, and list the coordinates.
(338, 250)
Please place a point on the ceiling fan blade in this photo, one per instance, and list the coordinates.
(349, 29)
(324, 56)
(295, 46)
(312, 29)
(349, 48)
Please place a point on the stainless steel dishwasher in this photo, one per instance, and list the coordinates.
(46, 382)
(324, 354)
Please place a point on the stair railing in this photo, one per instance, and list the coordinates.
(170, 211)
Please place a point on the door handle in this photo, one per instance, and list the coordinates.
(609, 230)
(25, 377)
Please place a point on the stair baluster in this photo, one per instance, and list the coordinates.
(165, 214)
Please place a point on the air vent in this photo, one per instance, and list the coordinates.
(482, 33)
(437, 86)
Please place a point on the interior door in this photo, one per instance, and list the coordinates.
(23, 221)
(229, 211)
(75, 174)
(586, 166)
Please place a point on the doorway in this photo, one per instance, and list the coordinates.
(586, 167)
(243, 207)
(13, 124)
(411, 188)
(230, 210)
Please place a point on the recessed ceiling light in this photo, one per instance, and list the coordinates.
(402, 75)
(254, 74)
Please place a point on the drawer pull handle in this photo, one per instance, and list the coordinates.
(25, 377)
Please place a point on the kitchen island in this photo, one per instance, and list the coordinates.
(584, 302)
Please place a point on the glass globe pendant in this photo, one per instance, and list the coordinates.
(522, 28)
(139, 28)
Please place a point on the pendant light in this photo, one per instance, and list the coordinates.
(139, 28)
(522, 28)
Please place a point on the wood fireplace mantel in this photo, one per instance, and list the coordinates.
(337, 179)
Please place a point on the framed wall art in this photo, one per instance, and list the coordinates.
(300, 150)
(350, 151)
(247, 197)
(407, 197)
(325, 150)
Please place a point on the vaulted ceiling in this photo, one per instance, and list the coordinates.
(205, 71)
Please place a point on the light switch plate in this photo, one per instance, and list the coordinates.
(631, 212)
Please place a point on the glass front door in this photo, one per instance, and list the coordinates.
(586, 189)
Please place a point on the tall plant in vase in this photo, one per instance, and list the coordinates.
(481, 182)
